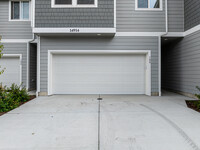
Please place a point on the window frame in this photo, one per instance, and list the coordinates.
(149, 9)
(20, 7)
(74, 5)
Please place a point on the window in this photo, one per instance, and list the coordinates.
(148, 4)
(20, 10)
(74, 3)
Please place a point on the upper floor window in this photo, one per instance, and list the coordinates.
(148, 4)
(74, 3)
(19, 10)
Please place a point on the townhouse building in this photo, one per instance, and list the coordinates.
(101, 46)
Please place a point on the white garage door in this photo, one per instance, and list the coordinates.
(98, 74)
(12, 70)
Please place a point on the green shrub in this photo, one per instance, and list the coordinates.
(198, 95)
(12, 97)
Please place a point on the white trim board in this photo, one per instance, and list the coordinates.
(113, 30)
(115, 14)
(20, 59)
(139, 33)
(27, 66)
(148, 63)
(15, 40)
(192, 30)
(74, 30)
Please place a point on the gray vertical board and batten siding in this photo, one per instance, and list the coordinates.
(182, 64)
(13, 29)
(100, 17)
(192, 13)
(131, 20)
(101, 43)
(18, 48)
(176, 15)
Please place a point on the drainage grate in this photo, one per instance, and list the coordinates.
(99, 98)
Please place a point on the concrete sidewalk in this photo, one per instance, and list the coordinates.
(70, 122)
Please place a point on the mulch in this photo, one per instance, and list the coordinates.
(31, 98)
(191, 104)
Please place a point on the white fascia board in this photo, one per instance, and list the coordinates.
(74, 30)
(139, 33)
(15, 40)
(192, 30)
(174, 34)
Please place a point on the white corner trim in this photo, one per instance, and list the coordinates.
(33, 13)
(15, 40)
(148, 63)
(20, 59)
(115, 14)
(27, 66)
(74, 30)
(159, 66)
(192, 30)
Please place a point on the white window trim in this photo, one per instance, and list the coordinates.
(74, 5)
(149, 9)
(20, 11)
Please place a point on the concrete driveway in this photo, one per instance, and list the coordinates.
(123, 123)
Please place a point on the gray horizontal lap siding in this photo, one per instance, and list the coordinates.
(176, 15)
(101, 43)
(192, 13)
(131, 20)
(182, 64)
(101, 17)
(18, 48)
(13, 29)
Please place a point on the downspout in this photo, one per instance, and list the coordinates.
(159, 45)
(38, 66)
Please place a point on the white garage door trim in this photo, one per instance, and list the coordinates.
(145, 52)
(20, 59)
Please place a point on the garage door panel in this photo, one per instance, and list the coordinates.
(101, 77)
(98, 74)
(12, 70)
(98, 88)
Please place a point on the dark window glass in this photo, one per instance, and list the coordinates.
(15, 10)
(142, 3)
(63, 1)
(85, 1)
(154, 3)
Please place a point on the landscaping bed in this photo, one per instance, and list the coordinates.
(193, 104)
(13, 97)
